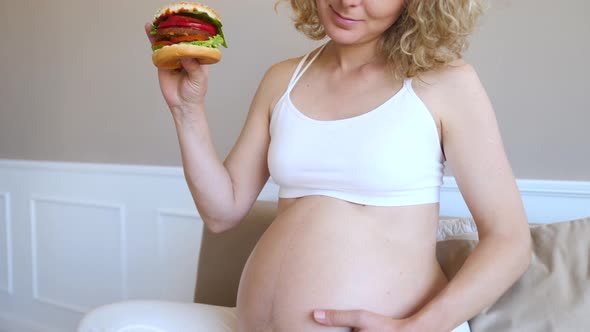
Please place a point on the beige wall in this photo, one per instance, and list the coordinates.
(77, 83)
(533, 57)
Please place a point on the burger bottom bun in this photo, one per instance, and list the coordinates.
(168, 57)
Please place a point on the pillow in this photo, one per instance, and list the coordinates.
(456, 228)
(552, 295)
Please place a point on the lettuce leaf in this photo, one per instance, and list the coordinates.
(213, 42)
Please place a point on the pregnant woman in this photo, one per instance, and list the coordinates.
(356, 134)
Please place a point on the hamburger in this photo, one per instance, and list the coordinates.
(186, 30)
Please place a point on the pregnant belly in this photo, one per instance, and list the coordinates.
(317, 255)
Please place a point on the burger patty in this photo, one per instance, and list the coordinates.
(169, 33)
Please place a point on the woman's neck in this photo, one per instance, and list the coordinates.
(347, 58)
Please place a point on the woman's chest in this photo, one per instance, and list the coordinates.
(392, 147)
(335, 100)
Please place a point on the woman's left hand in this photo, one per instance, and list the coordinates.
(362, 321)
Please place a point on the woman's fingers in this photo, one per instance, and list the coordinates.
(194, 69)
(148, 29)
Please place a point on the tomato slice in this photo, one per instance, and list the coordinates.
(188, 38)
(188, 22)
(183, 18)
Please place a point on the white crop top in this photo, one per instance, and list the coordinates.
(390, 156)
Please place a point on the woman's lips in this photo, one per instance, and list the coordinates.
(343, 19)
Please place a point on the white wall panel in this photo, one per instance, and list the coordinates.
(74, 236)
(6, 271)
(79, 252)
(179, 241)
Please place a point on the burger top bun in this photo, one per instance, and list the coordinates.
(169, 57)
(186, 6)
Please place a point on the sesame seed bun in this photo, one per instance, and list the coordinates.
(185, 6)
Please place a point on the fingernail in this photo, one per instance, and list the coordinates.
(319, 315)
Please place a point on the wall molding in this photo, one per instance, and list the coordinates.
(544, 188)
(35, 199)
(545, 200)
(80, 167)
(9, 323)
(162, 223)
(9, 287)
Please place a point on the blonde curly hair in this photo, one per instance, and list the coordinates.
(427, 35)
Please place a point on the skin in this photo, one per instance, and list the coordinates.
(300, 274)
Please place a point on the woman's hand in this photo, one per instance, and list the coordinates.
(363, 321)
(184, 89)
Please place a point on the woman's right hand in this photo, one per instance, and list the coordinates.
(184, 90)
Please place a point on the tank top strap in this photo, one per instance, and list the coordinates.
(299, 71)
(408, 83)
(296, 72)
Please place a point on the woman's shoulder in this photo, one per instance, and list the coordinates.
(276, 80)
(453, 75)
(453, 91)
(278, 75)
(456, 85)
(284, 70)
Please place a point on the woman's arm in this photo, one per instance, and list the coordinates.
(474, 150)
(223, 191)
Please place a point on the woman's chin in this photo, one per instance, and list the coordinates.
(345, 38)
